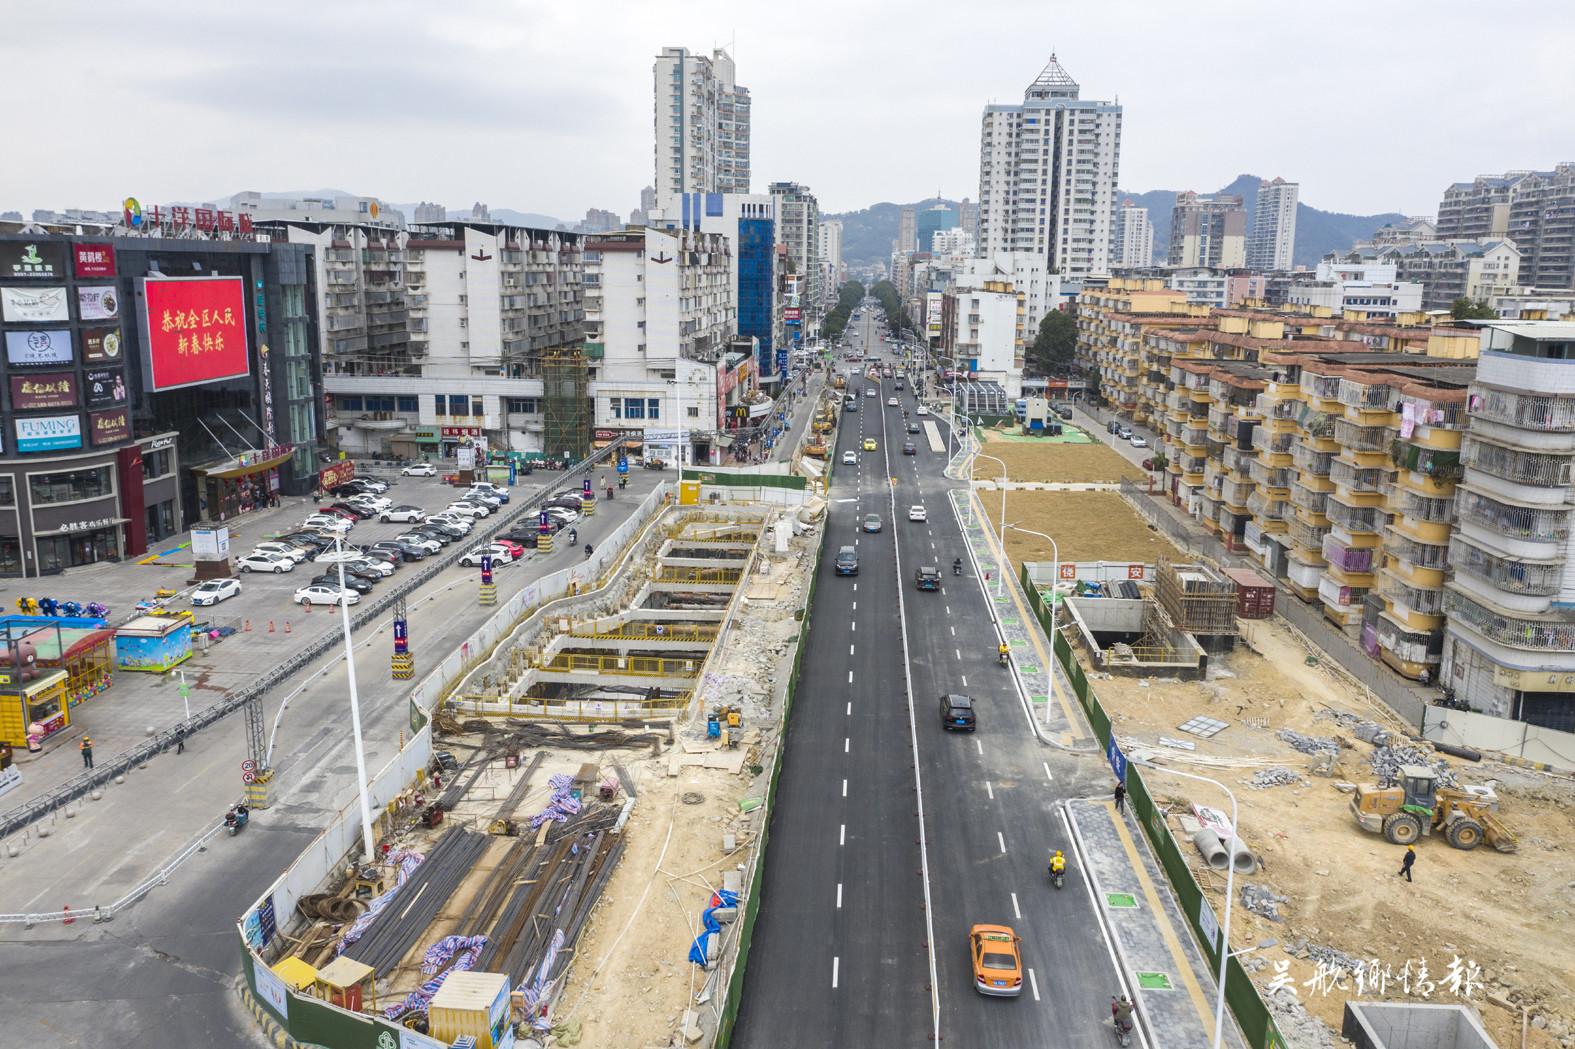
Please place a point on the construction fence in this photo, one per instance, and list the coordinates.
(1241, 994)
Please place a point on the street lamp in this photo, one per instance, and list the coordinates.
(1230, 888)
(1001, 568)
(1056, 576)
(355, 705)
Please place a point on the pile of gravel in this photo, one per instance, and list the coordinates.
(1386, 761)
(1276, 776)
(1309, 744)
(1263, 902)
(1364, 730)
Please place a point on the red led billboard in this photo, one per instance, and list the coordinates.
(196, 331)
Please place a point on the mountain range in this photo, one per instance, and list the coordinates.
(867, 235)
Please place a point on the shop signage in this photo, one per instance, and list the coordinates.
(107, 386)
(211, 544)
(31, 393)
(428, 431)
(38, 347)
(98, 304)
(182, 217)
(337, 474)
(48, 432)
(110, 427)
(461, 431)
(792, 313)
(29, 305)
(100, 344)
(196, 331)
(24, 261)
(95, 260)
(87, 526)
(161, 442)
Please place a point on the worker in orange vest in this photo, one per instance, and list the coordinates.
(87, 752)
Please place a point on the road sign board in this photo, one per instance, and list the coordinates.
(248, 777)
(248, 765)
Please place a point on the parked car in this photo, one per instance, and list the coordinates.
(333, 557)
(371, 565)
(331, 522)
(311, 540)
(261, 562)
(957, 713)
(515, 547)
(376, 503)
(394, 548)
(459, 522)
(487, 499)
(356, 510)
(319, 594)
(562, 514)
(404, 513)
(419, 539)
(289, 550)
(468, 509)
(443, 533)
(215, 590)
(500, 554)
(1125, 433)
(359, 584)
(419, 470)
(1138, 442)
(490, 488)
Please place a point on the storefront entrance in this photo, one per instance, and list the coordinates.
(58, 552)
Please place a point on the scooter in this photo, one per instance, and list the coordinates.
(1123, 1028)
(588, 551)
(1005, 658)
(957, 567)
(235, 819)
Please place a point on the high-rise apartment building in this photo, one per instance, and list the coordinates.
(1047, 176)
(702, 125)
(798, 229)
(1273, 237)
(1134, 237)
(931, 221)
(830, 259)
(427, 212)
(1208, 230)
(907, 236)
(968, 218)
(1535, 209)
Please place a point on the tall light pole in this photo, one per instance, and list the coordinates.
(1230, 884)
(1001, 568)
(1055, 574)
(355, 706)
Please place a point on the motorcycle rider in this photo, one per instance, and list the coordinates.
(588, 551)
(1057, 863)
(1121, 1010)
(1005, 650)
(957, 566)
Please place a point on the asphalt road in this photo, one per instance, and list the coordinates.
(842, 891)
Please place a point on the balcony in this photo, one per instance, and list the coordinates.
(1353, 559)
(1362, 438)
(1529, 468)
(1524, 410)
(1236, 493)
(1523, 523)
(1364, 520)
(1238, 460)
(1547, 632)
(1322, 387)
(1311, 460)
(1266, 476)
(1194, 436)
(1356, 478)
(1413, 504)
(1310, 500)
(1316, 426)
(1440, 415)
(1419, 554)
(1307, 535)
(1513, 576)
(1374, 397)
(1272, 442)
(1421, 600)
(1266, 509)
(1336, 596)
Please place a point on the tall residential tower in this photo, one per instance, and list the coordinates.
(1274, 226)
(702, 125)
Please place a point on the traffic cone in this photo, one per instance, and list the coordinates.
(286, 626)
(248, 625)
(67, 911)
(270, 626)
(308, 605)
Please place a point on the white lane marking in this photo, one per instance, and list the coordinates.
(979, 746)
(850, 708)
(954, 631)
(964, 680)
(989, 790)
(844, 744)
(948, 607)
(855, 625)
(1047, 769)
(855, 606)
(850, 650)
(834, 961)
(1002, 839)
(855, 588)
(842, 835)
(958, 651)
(839, 897)
(1015, 911)
(1033, 984)
(850, 677)
(844, 788)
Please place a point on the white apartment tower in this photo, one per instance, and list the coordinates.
(702, 125)
(830, 259)
(1134, 237)
(1274, 226)
(1047, 176)
(798, 227)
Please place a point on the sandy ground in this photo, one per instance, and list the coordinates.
(1054, 462)
(1086, 526)
(1509, 914)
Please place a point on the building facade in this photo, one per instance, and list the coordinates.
(1134, 238)
(1535, 209)
(1445, 269)
(907, 229)
(1048, 170)
(1273, 240)
(798, 229)
(1208, 230)
(931, 221)
(702, 120)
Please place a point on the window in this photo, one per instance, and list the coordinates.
(7, 491)
(653, 408)
(156, 464)
(458, 404)
(633, 408)
(476, 406)
(71, 487)
(525, 405)
(303, 423)
(438, 404)
(409, 404)
(351, 404)
(694, 413)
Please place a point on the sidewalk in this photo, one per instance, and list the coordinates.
(1161, 964)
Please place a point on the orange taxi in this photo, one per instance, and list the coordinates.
(997, 960)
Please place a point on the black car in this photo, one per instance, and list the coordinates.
(405, 551)
(928, 578)
(353, 581)
(957, 713)
(908, 448)
(568, 502)
(848, 561)
(363, 574)
(913, 427)
(433, 532)
(360, 513)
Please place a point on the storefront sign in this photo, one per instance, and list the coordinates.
(182, 217)
(196, 331)
(461, 431)
(110, 427)
(98, 304)
(32, 261)
(31, 393)
(792, 314)
(161, 442)
(95, 260)
(210, 544)
(87, 526)
(30, 305)
(337, 474)
(49, 432)
(107, 386)
(38, 347)
(100, 344)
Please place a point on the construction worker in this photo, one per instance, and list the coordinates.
(86, 747)
(1406, 864)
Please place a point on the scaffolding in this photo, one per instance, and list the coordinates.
(1197, 599)
(566, 406)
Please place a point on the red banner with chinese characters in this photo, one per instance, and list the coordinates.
(40, 392)
(95, 260)
(196, 331)
(337, 474)
(110, 427)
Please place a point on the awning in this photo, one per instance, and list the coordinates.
(231, 469)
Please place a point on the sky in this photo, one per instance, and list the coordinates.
(547, 107)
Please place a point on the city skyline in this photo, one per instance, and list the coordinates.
(477, 103)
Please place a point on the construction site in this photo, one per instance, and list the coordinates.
(585, 833)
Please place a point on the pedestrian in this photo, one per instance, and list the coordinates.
(1121, 797)
(87, 752)
(1405, 864)
(180, 742)
(1422, 678)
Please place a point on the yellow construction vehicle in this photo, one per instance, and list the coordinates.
(1418, 806)
(839, 383)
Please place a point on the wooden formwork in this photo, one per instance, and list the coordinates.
(1198, 599)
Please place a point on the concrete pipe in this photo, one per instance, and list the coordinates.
(1241, 857)
(1214, 854)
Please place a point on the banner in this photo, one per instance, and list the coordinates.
(110, 427)
(95, 260)
(98, 304)
(100, 344)
(28, 305)
(105, 386)
(24, 261)
(30, 393)
(196, 331)
(48, 432)
(38, 347)
(335, 475)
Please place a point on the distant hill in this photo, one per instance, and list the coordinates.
(528, 219)
(868, 235)
(1318, 232)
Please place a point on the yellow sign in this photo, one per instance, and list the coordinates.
(1533, 680)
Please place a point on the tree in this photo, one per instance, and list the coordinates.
(1055, 344)
(1465, 309)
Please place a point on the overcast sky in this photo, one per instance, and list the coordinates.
(547, 107)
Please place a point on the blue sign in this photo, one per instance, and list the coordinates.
(587, 486)
(486, 568)
(782, 360)
(623, 465)
(1118, 760)
(546, 522)
(42, 434)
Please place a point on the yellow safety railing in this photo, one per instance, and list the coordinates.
(626, 666)
(643, 631)
(711, 576)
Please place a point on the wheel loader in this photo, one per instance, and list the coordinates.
(1418, 806)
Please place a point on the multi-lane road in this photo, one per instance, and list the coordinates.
(865, 911)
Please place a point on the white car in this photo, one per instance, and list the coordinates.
(289, 550)
(329, 522)
(259, 562)
(1138, 442)
(892, 402)
(320, 594)
(375, 503)
(922, 410)
(372, 484)
(363, 563)
(869, 393)
(916, 513)
(465, 506)
(490, 488)
(488, 499)
(214, 591)
(403, 514)
(420, 542)
(850, 457)
(500, 555)
(460, 521)
(419, 470)
(562, 514)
